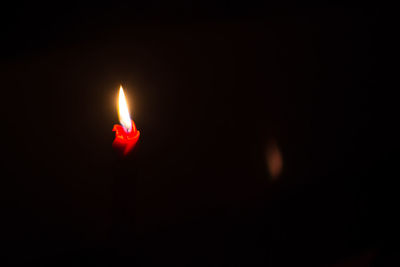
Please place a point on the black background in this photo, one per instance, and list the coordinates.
(211, 86)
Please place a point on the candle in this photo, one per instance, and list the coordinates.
(126, 134)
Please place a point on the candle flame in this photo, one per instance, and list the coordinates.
(123, 111)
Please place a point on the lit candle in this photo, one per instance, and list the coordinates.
(126, 134)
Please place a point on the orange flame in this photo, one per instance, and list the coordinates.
(123, 111)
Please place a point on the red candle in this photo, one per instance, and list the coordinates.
(126, 134)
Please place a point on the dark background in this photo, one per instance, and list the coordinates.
(213, 88)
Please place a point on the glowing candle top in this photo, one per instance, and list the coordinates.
(123, 111)
(126, 134)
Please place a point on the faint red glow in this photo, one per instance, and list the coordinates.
(274, 160)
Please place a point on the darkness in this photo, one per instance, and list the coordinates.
(259, 136)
